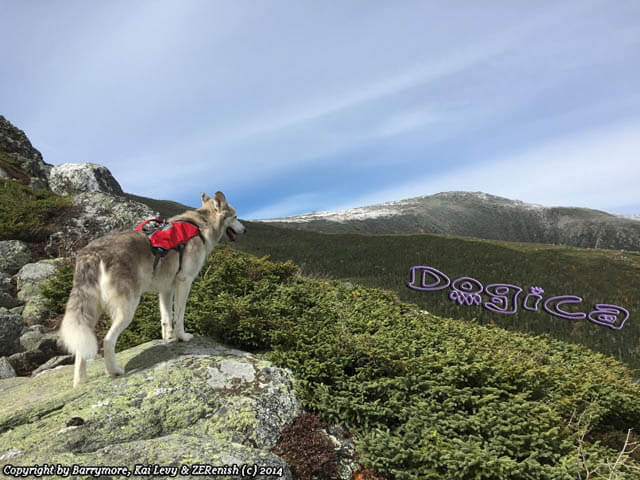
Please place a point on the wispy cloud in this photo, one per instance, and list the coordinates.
(180, 97)
(595, 169)
(283, 207)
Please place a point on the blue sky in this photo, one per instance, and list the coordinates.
(296, 106)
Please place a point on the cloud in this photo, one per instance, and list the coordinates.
(279, 131)
(597, 169)
(284, 207)
(182, 97)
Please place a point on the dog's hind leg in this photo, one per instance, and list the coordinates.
(182, 293)
(79, 371)
(121, 316)
(166, 315)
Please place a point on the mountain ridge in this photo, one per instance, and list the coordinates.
(479, 215)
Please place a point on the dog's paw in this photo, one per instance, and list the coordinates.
(116, 371)
(185, 337)
(78, 382)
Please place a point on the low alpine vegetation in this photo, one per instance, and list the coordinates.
(426, 397)
(27, 213)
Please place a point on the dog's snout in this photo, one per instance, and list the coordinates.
(239, 227)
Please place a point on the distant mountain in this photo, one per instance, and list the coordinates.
(480, 215)
(166, 208)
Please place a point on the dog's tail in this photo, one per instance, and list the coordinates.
(83, 309)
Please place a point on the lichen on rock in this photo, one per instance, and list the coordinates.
(170, 408)
(13, 255)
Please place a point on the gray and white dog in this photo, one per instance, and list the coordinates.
(112, 273)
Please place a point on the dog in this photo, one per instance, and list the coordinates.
(112, 273)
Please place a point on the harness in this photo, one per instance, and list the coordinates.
(165, 236)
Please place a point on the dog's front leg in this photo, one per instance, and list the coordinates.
(181, 294)
(166, 315)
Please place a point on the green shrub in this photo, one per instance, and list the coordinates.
(56, 291)
(383, 261)
(26, 213)
(427, 397)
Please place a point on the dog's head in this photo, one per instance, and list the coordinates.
(223, 216)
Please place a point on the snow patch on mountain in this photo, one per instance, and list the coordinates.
(396, 207)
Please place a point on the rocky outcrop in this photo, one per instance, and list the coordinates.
(23, 344)
(72, 178)
(179, 403)
(13, 255)
(18, 149)
(99, 214)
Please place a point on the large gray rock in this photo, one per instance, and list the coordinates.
(36, 351)
(30, 280)
(179, 403)
(45, 342)
(100, 213)
(6, 370)
(15, 144)
(72, 178)
(32, 275)
(24, 363)
(13, 255)
(10, 330)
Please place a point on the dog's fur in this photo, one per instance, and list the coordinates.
(112, 272)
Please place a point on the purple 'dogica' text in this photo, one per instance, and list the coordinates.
(503, 298)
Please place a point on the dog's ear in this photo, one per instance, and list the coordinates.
(218, 200)
(205, 198)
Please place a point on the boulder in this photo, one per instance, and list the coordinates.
(72, 178)
(100, 213)
(13, 255)
(10, 330)
(30, 279)
(32, 275)
(35, 340)
(6, 370)
(26, 362)
(178, 403)
(36, 352)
